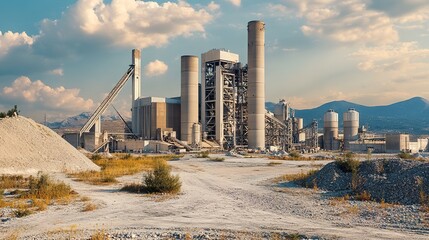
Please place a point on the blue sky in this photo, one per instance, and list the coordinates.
(60, 58)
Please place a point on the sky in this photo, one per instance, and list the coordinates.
(61, 58)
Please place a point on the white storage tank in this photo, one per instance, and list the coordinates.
(351, 127)
(330, 130)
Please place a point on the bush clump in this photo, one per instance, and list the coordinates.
(405, 155)
(204, 154)
(43, 187)
(348, 163)
(160, 180)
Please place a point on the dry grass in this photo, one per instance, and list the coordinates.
(85, 199)
(273, 163)
(339, 200)
(385, 205)
(13, 181)
(89, 207)
(298, 178)
(158, 180)
(100, 235)
(363, 196)
(35, 193)
(120, 166)
(217, 159)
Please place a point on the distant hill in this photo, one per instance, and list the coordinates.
(409, 116)
(78, 121)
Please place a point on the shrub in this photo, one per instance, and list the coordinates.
(89, 207)
(43, 187)
(405, 155)
(295, 155)
(204, 154)
(217, 159)
(363, 196)
(22, 212)
(96, 157)
(160, 180)
(348, 165)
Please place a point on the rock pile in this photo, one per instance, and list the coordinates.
(394, 180)
(27, 147)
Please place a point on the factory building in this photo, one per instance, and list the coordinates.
(227, 109)
(158, 113)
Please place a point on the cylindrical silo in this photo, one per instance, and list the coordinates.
(189, 96)
(330, 130)
(196, 134)
(256, 84)
(351, 127)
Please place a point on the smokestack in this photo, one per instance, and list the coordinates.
(189, 97)
(136, 91)
(256, 84)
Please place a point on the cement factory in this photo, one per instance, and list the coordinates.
(225, 110)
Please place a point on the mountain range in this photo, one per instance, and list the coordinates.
(78, 121)
(409, 116)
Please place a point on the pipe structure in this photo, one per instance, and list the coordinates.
(189, 97)
(256, 84)
(136, 91)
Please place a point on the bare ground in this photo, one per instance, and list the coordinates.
(235, 195)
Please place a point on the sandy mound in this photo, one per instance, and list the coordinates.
(394, 180)
(27, 147)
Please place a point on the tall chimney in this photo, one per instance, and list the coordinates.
(136, 91)
(256, 84)
(189, 97)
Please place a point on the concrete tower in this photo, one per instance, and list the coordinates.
(351, 127)
(256, 84)
(136, 91)
(330, 130)
(189, 97)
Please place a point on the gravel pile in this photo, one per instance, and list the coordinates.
(27, 147)
(173, 234)
(394, 180)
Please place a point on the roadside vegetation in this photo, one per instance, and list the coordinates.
(32, 194)
(158, 180)
(204, 154)
(217, 159)
(120, 165)
(298, 178)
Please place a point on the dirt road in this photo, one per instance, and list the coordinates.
(237, 194)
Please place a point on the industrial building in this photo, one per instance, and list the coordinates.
(357, 139)
(231, 99)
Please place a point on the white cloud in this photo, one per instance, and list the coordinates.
(235, 2)
(57, 72)
(399, 57)
(10, 39)
(133, 23)
(155, 68)
(36, 93)
(345, 21)
(213, 6)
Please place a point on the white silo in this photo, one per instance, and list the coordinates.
(189, 97)
(351, 127)
(330, 130)
(256, 84)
